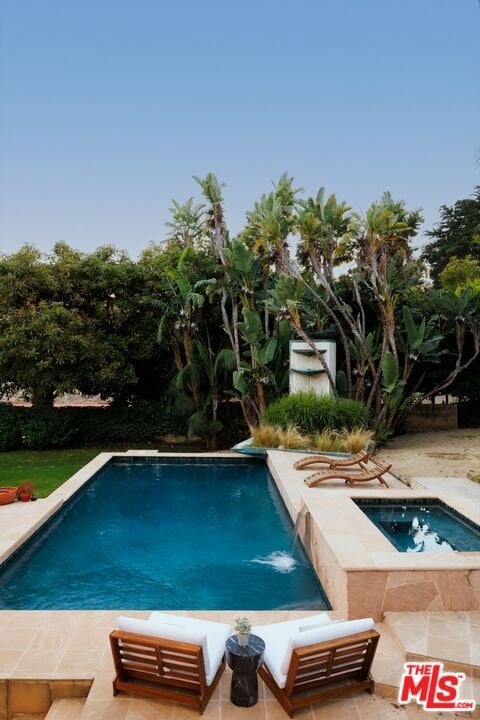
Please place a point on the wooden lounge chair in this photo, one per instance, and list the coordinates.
(166, 667)
(358, 459)
(324, 662)
(376, 472)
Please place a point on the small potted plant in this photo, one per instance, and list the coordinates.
(242, 629)
(26, 491)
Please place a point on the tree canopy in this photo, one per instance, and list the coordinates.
(456, 235)
(205, 317)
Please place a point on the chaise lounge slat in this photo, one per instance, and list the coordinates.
(332, 462)
(376, 472)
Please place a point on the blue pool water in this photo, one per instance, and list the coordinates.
(174, 535)
(422, 525)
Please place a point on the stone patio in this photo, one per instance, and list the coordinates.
(46, 656)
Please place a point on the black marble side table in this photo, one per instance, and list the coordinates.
(245, 661)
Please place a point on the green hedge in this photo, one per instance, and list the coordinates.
(73, 426)
(310, 412)
(10, 427)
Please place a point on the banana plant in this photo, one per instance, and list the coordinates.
(393, 387)
(208, 372)
(256, 372)
(418, 342)
(181, 314)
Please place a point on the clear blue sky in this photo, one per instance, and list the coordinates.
(108, 107)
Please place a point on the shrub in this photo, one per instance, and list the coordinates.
(72, 426)
(10, 432)
(311, 413)
(52, 428)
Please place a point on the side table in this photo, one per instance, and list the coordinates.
(244, 661)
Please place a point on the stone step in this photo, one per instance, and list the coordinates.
(66, 709)
(387, 667)
(452, 638)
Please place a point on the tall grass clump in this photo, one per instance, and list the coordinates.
(265, 436)
(312, 413)
(326, 441)
(291, 438)
(353, 441)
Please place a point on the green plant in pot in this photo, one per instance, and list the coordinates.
(242, 629)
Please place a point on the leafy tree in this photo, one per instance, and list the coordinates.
(44, 349)
(460, 273)
(457, 234)
(79, 322)
(389, 352)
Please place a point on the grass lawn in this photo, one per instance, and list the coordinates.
(50, 468)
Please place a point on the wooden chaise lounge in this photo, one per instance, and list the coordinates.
(175, 658)
(331, 461)
(375, 472)
(322, 658)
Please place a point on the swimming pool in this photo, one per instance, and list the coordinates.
(422, 525)
(196, 533)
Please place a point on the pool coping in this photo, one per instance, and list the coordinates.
(331, 507)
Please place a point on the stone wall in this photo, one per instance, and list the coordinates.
(432, 417)
(372, 593)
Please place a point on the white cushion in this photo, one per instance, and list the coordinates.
(216, 636)
(132, 625)
(331, 632)
(304, 628)
(282, 638)
(277, 637)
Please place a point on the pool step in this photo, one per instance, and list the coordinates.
(444, 636)
(66, 709)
